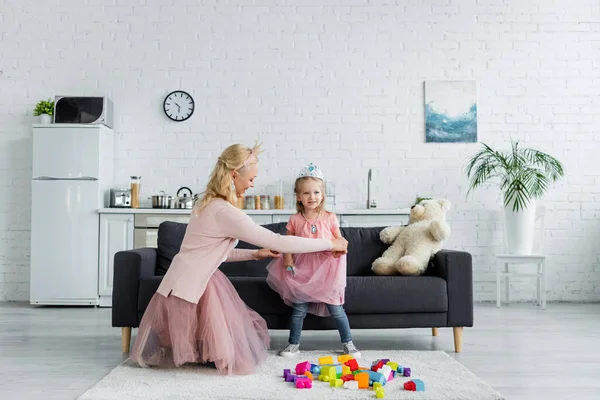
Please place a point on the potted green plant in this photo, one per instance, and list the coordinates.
(44, 109)
(523, 175)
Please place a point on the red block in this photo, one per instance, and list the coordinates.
(353, 364)
(410, 385)
(347, 378)
(377, 366)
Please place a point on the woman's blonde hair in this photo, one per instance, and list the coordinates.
(299, 181)
(234, 158)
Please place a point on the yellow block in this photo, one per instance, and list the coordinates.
(325, 360)
(393, 365)
(344, 357)
(346, 370)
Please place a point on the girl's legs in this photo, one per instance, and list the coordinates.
(341, 320)
(296, 322)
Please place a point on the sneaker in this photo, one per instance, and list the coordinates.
(350, 349)
(290, 351)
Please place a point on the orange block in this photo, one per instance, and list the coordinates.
(363, 380)
(310, 376)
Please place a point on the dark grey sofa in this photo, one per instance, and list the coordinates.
(442, 297)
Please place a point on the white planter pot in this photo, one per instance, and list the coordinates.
(519, 228)
(45, 119)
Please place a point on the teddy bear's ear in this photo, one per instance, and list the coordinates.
(445, 204)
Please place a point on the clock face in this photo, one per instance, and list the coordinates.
(178, 105)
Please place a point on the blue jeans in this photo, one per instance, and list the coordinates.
(337, 312)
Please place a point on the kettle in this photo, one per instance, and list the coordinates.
(185, 201)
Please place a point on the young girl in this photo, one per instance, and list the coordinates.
(313, 282)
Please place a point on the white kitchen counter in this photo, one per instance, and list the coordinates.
(176, 211)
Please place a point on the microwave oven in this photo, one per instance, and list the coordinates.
(83, 110)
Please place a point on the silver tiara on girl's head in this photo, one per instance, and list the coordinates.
(312, 171)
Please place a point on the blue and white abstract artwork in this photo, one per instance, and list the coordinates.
(450, 111)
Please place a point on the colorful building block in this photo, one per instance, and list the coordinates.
(377, 377)
(415, 385)
(308, 375)
(290, 377)
(384, 370)
(286, 372)
(406, 372)
(385, 360)
(302, 367)
(400, 369)
(393, 365)
(344, 357)
(351, 385)
(346, 378)
(303, 383)
(377, 365)
(376, 385)
(325, 360)
(362, 379)
(315, 369)
(353, 364)
(380, 394)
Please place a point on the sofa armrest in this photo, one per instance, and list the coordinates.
(129, 267)
(456, 267)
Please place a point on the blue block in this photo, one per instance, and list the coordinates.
(419, 385)
(400, 369)
(377, 377)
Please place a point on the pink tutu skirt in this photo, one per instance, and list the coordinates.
(320, 279)
(221, 329)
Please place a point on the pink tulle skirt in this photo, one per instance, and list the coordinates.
(320, 279)
(221, 329)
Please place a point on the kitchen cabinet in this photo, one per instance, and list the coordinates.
(368, 220)
(116, 234)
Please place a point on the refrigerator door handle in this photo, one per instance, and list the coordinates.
(49, 178)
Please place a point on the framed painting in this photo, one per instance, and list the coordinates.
(450, 111)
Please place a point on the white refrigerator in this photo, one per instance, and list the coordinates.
(72, 173)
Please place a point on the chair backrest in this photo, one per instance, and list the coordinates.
(538, 239)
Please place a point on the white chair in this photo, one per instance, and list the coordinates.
(538, 258)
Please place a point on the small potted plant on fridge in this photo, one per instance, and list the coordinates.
(523, 175)
(44, 110)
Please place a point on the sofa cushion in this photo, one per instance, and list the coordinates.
(364, 246)
(395, 294)
(170, 237)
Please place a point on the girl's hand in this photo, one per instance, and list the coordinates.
(340, 245)
(338, 254)
(265, 253)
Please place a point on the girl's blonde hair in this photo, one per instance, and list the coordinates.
(234, 158)
(299, 181)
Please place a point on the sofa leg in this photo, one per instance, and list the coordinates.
(458, 331)
(125, 338)
(434, 331)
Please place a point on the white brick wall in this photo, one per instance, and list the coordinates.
(336, 82)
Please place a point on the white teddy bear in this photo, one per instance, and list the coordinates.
(412, 246)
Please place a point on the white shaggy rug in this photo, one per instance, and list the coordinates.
(444, 378)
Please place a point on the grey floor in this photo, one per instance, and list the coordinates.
(521, 351)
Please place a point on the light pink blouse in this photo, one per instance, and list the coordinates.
(210, 239)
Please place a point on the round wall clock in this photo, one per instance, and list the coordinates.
(178, 105)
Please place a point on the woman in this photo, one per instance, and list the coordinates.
(196, 315)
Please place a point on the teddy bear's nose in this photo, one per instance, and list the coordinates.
(412, 207)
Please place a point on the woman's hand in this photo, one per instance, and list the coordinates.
(265, 253)
(340, 245)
